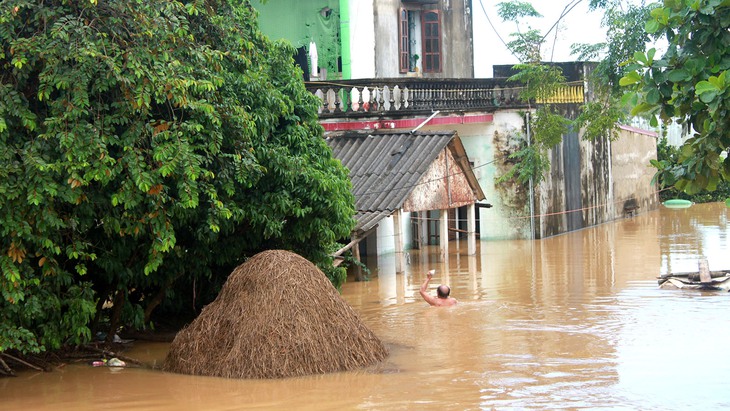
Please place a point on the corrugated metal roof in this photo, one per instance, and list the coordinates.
(385, 167)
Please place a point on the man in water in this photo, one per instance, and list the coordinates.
(442, 293)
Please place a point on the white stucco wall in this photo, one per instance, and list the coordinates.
(502, 221)
(386, 43)
(386, 234)
(362, 39)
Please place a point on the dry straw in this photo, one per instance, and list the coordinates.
(276, 316)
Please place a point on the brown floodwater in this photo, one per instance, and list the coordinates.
(570, 322)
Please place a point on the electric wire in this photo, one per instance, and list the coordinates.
(495, 29)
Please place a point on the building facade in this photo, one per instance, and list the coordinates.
(383, 86)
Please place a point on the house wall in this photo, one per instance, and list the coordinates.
(486, 145)
(630, 156)
(385, 234)
(434, 192)
(300, 22)
(362, 39)
(385, 17)
(589, 182)
(610, 175)
(456, 47)
(606, 176)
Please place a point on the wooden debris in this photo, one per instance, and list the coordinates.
(26, 363)
(703, 279)
(704, 267)
(4, 369)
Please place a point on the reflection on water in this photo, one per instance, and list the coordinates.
(573, 321)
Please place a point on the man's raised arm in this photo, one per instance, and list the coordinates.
(424, 289)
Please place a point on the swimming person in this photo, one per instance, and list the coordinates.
(442, 293)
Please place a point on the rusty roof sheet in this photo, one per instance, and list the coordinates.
(386, 166)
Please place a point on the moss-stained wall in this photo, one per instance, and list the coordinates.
(488, 145)
(632, 176)
(589, 182)
(300, 22)
(612, 175)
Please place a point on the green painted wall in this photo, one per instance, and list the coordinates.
(300, 22)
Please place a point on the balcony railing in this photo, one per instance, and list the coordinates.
(406, 96)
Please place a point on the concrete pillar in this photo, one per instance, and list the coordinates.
(356, 256)
(444, 234)
(398, 239)
(424, 227)
(471, 228)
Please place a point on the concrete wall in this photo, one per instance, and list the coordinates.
(362, 39)
(486, 145)
(386, 234)
(385, 14)
(300, 22)
(630, 156)
(590, 182)
(456, 47)
(611, 175)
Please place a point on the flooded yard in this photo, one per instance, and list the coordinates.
(575, 321)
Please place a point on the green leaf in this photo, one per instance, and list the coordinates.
(641, 57)
(653, 96)
(705, 87)
(652, 26)
(707, 97)
(678, 75)
(718, 81)
(630, 78)
(641, 108)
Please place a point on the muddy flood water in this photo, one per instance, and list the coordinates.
(576, 321)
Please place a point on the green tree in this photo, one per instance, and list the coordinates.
(689, 82)
(625, 36)
(597, 118)
(148, 144)
(540, 82)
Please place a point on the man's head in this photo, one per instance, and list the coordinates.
(443, 291)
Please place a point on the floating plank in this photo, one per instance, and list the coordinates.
(694, 275)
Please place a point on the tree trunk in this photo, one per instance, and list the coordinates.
(116, 316)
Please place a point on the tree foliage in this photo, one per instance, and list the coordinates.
(689, 82)
(149, 143)
(625, 36)
(667, 158)
(597, 118)
(545, 124)
(540, 81)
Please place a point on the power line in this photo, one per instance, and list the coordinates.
(568, 8)
(495, 29)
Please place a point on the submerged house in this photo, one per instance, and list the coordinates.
(409, 176)
(384, 68)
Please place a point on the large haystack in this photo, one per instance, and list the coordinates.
(276, 316)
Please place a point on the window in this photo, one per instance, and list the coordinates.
(431, 42)
(419, 38)
(404, 44)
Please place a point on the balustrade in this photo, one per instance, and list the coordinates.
(367, 97)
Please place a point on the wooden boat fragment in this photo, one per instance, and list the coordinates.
(703, 279)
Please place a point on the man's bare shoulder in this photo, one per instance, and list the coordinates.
(445, 302)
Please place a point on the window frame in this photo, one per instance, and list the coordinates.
(404, 41)
(433, 57)
(431, 62)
